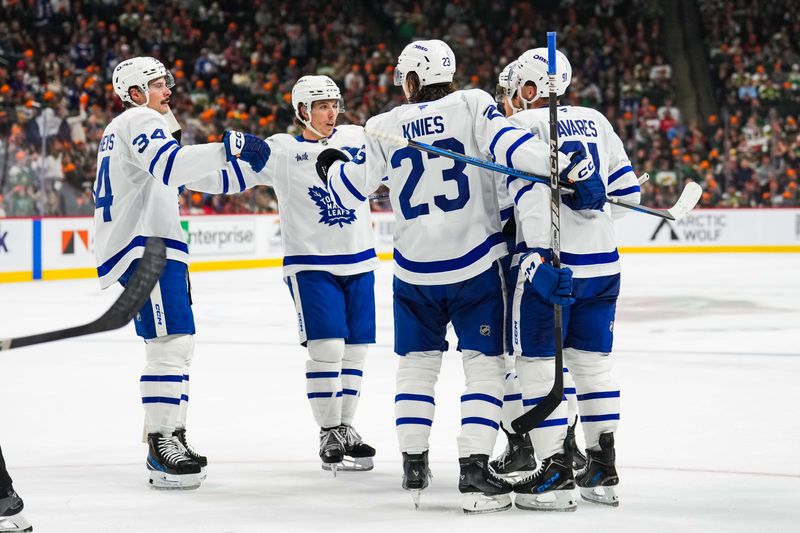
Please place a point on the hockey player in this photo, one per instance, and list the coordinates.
(11, 505)
(328, 264)
(140, 168)
(447, 242)
(588, 247)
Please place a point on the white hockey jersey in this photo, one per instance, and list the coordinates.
(317, 233)
(447, 217)
(139, 169)
(588, 242)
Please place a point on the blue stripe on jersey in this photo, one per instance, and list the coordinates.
(522, 191)
(350, 392)
(497, 138)
(312, 395)
(414, 420)
(570, 390)
(598, 395)
(171, 379)
(341, 259)
(512, 397)
(239, 176)
(137, 242)
(224, 181)
(352, 372)
(482, 398)
(160, 152)
(445, 265)
(317, 375)
(599, 258)
(414, 398)
(552, 423)
(509, 179)
(170, 161)
(357, 195)
(628, 190)
(517, 144)
(184, 398)
(335, 195)
(186, 377)
(481, 421)
(619, 173)
(506, 213)
(599, 418)
(161, 399)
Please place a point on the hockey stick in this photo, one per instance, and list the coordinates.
(530, 419)
(687, 201)
(136, 293)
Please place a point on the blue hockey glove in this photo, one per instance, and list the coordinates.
(247, 148)
(553, 284)
(590, 193)
(580, 167)
(325, 159)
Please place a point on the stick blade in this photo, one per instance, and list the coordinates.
(689, 197)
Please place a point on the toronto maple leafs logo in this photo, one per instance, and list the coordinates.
(330, 213)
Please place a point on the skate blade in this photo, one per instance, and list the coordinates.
(415, 497)
(352, 464)
(602, 495)
(332, 467)
(480, 503)
(15, 524)
(164, 481)
(556, 500)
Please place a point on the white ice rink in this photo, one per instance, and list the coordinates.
(707, 352)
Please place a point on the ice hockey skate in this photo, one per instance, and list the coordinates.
(597, 480)
(191, 452)
(517, 460)
(550, 488)
(169, 465)
(331, 449)
(357, 454)
(481, 490)
(416, 474)
(11, 519)
(571, 447)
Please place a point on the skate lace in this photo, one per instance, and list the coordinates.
(350, 436)
(333, 434)
(505, 457)
(171, 450)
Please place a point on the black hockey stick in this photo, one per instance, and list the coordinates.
(136, 293)
(530, 419)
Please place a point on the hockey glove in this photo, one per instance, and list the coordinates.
(553, 284)
(247, 148)
(325, 159)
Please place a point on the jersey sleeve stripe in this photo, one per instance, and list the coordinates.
(517, 144)
(619, 173)
(341, 259)
(445, 265)
(239, 175)
(624, 192)
(170, 162)
(497, 138)
(138, 241)
(335, 194)
(160, 152)
(506, 213)
(522, 191)
(357, 195)
(224, 181)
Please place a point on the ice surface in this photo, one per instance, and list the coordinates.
(707, 352)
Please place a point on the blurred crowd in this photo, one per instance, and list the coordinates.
(235, 63)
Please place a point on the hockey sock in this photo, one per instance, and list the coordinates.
(161, 383)
(481, 403)
(512, 394)
(597, 393)
(414, 404)
(323, 381)
(352, 373)
(536, 379)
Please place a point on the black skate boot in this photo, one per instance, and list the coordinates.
(191, 452)
(518, 460)
(11, 519)
(169, 465)
(571, 447)
(357, 454)
(482, 491)
(598, 478)
(416, 474)
(549, 489)
(331, 449)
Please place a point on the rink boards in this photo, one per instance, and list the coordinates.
(62, 247)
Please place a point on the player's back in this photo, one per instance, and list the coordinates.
(448, 224)
(130, 204)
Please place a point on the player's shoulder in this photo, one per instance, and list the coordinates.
(134, 117)
(577, 111)
(529, 117)
(282, 139)
(348, 133)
